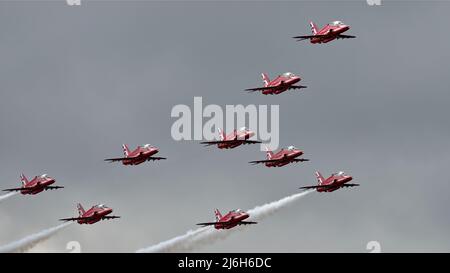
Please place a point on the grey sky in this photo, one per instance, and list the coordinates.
(77, 82)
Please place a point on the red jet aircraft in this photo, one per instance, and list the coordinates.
(92, 215)
(138, 156)
(280, 84)
(332, 183)
(233, 140)
(230, 220)
(36, 185)
(281, 158)
(328, 33)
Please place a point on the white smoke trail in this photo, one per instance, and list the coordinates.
(265, 210)
(30, 241)
(207, 235)
(174, 243)
(6, 196)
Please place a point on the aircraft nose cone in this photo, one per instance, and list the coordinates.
(294, 80)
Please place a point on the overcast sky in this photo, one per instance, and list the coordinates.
(77, 82)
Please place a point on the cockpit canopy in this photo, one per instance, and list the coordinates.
(44, 175)
(147, 146)
(100, 206)
(237, 211)
(288, 75)
(336, 23)
(291, 148)
(243, 129)
(340, 173)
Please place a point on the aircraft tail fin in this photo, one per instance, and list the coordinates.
(269, 153)
(221, 134)
(265, 79)
(320, 178)
(24, 179)
(313, 28)
(126, 151)
(81, 210)
(218, 214)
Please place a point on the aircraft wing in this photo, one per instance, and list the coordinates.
(244, 141)
(262, 88)
(131, 158)
(155, 158)
(207, 224)
(296, 87)
(349, 185)
(110, 217)
(32, 188)
(251, 141)
(87, 218)
(117, 159)
(277, 160)
(209, 143)
(224, 223)
(329, 186)
(75, 219)
(342, 36)
(15, 189)
(275, 87)
(264, 161)
(306, 37)
(53, 187)
(299, 159)
(315, 187)
(247, 223)
(301, 38)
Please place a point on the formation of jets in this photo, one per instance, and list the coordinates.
(282, 83)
